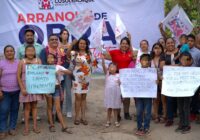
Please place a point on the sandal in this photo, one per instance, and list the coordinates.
(84, 122)
(67, 130)
(12, 132)
(52, 128)
(117, 124)
(108, 124)
(36, 131)
(162, 120)
(76, 122)
(25, 133)
(2, 135)
(157, 120)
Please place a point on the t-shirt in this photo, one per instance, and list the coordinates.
(8, 79)
(184, 48)
(21, 50)
(138, 64)
(121, 59)
(196, 56)
(169, 59)
(59, 78)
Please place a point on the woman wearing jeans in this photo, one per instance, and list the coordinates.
(9, 93)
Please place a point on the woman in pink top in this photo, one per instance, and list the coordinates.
(9, 92)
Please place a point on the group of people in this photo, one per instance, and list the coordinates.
(69, 73)
(74, 63)
(163, 52)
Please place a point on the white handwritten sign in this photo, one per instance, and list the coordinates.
(138, 82)
(40, 79)
(180, 81)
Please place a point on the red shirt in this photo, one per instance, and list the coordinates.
(121, 59)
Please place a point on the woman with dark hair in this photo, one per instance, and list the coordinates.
(158, 61)
(170, 54)
(123, 57)
(83, 63)
(64, 49)
(9, 93)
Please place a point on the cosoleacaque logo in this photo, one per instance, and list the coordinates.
(66, 2)
(49, 4)
(46, 4)
(73, 1)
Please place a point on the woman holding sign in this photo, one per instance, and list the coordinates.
(170, 54)
(30, 100)
(123, 57)
(9, 92)
(83, 63)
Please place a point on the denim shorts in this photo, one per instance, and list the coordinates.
(56, 94)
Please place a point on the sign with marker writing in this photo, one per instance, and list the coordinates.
(180, 81)
(138, 82)
(40, 79)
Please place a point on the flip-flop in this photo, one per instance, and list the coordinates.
(108, 124)
(67, 130)
(2, 136)
(117, 124)
(76, 122)
(84, 122)
(25, 133)
(157, 120)
(52, 128)
(12, 132)
(36, 131)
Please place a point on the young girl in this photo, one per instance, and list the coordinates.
(56, 97)
(29, 100)
(184, 102)
(158, 61)
(112, 97)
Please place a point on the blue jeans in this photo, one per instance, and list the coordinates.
(67, 106)
(171, 107)
(9, 108)
(143, 109)
(184, 110)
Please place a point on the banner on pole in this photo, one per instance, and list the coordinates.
(178, 22)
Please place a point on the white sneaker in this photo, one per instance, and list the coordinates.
(38, 118)
(22, 121)
(69, 114)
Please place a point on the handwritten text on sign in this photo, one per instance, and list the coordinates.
(40, 79)
(138, 82)
(180, 81)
